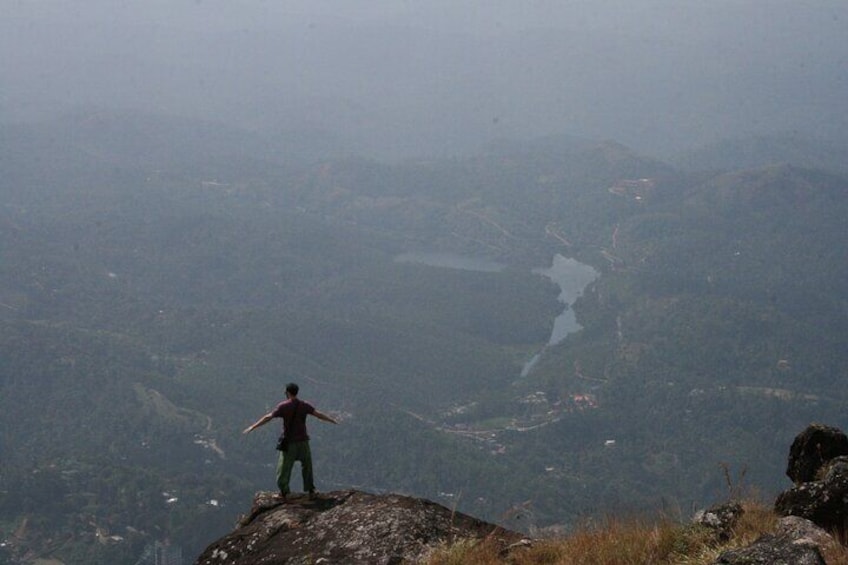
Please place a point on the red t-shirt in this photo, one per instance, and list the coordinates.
(294, 412)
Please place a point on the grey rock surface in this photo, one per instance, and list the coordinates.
(813, 447)
(721, 519)
(822, 502)
(797, 528)
(773, 550)
(346, 527)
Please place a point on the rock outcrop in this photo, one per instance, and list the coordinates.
(816, 505)
(802, 530)
(811, 449)
(346, 527)
(774, 550)
(795, 541)
(824, 502)
(818, 465)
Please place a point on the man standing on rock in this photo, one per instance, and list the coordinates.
(294, 443)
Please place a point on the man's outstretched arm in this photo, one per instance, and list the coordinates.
(260, 422)
(322, 416)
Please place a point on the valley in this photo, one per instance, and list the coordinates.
(149, 315)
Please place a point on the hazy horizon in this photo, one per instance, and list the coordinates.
(408, 78)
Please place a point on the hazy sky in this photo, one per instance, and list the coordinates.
(409, 76)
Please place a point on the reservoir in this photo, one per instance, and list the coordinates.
(570, 275)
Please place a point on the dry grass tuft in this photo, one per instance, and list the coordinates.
(835, 554)
(630, 542)
(615, 542)
(467, 552)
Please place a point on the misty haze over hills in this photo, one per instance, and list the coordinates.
(411, 79)
(203, 199)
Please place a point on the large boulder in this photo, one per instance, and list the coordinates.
(346, 527)
(773, 550)
(796, 541)
(823, 502)
(812, 448)
(816, 505)
(801, 529)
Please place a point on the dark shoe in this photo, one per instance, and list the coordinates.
(281, 496)
(313, 494)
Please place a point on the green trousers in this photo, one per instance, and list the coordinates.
(297, 451)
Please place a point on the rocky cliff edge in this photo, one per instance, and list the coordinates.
(347, 527)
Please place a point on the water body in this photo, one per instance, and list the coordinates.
(572, 277)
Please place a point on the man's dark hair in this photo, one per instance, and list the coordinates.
(292, 389)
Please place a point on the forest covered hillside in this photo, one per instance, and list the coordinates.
(155, 299)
